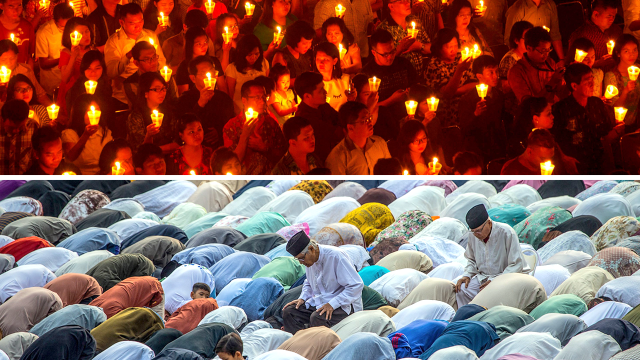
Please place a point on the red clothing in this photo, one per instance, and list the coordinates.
(21, 247)
(73, 288)
(189, 315)
(65, 56)
(136, 291)
(25, 38)
(218, 9)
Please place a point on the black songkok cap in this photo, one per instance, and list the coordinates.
(298, 242)
(476, 216)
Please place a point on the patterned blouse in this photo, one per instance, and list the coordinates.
(615, 78)
(177, 163)
(508, 60)
(398, 33)
(482, 43)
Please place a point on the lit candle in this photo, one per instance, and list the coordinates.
(226, 36)
(620, 113)
(90, 86)
(374, 84)
(117, 170)
(611, 92)
(162, 19)
(433, 103)
(435, 166)
(444, 2)
(580, 55)
(53, 111)
(192, 172)
(342, 50)
(13, 37)
(249, 7)
(94, 115)
(482, 90)
(209, 5)
(153, 43)
(44, 4)
(277, 37)
(340, 10)
(250, 114)
(32, 114)
(209, 82)
(166, 73)
(5, 74)
(546, 168)
(229, 173)
(75, 38)
(406, 172)
(413, 32)
(411, 107)
(610, 45)
(481, 8)
(633, 72)
(67, 173)
(465, 54)
(156, 118)
(546, 28)
(476, 51)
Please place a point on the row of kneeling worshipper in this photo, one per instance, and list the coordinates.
(236, 269)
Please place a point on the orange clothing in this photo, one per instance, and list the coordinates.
(73, 288)
(189, 315)
(21, 247)
(136, 291)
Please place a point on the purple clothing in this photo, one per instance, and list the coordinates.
(7, 187)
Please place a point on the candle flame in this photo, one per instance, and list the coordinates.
(250, 113)
(192, 172)
(229, 173)
(155, 112)
(279, 29)
(161, 14)
(406, 172)
(374, 79)
(165, 69)
(117, 165)
(435, 161)
(226, 29)
(12, 37)
(68, 173)
(71, 3)
(151, 41)
(413, 23)
(547, 164)
(93, 108)
(209, 76)
(546, 28)
(481, 3)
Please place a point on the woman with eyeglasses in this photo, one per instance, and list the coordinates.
(460, 19)
(625, 54)
(92, 67)
(337, 85)
(21, 88)
(172, 18)
(225, 52)
(192, 155)
(195, 44)
(415, 150)
(336, 32)
(249, 64)
(71, 56)
(152, 93)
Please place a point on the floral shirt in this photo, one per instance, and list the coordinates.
(288, 166)
(508, 60)
(177, 163)
(399, 33)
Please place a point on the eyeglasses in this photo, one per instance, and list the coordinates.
(150, 60)
(365, 121)
(420, 141)
(543, 52)
(23, 90)
(480, 229)
(386, 55)
(159, 90)
(234, 27)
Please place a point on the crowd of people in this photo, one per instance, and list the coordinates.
(319, 270)
(371, 88)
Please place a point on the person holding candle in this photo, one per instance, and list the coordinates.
(415, 149)
(149, 160)
(625, 54)
(171, 17)
(37, 14)
(599, 29)
(173, 47)
(47, 153)
(83, 142)
(429, 14)
(249, 64)
(225, 162)
(71, 56)
(117, 154)
(539, 13)
(226, 25)
(300, 158)
(12, 22)
(284, 105)
(586, 46)
(540, 147)
(196, 43)
(360, 84)
(336, 32)
(192, 155)
(248, 22)
(49, 46)
(460, 19)
(92, 67)
(145, 58)
(276, 13)
(16, 131)
(358, 14)
(21, 88)
(296, 55)
(516, 52)
(583, 126)
(9, 59)
(337, 84)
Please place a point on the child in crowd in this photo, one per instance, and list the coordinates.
(283, 105)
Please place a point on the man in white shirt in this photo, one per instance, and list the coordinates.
(117, 50)
(492, 249)
(332, 290)
(49, 44)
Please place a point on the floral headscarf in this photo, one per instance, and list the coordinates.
(406, 226)
(231, 221)
(625, 188)
(614, 231)
(318, 189)
(532, 229)
(287, 232)
(618, 261)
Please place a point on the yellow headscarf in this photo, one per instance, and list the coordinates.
(317, 189)
(370, 218)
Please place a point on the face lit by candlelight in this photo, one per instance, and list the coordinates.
(147, 61)
(603, 18)
(539, 154)
(586, 86)
(232, 24)
(132, 25)
(449, 50)
(400, 7)
(86, 35)
(164, 6)
(256, 99)
(628, 53)
(200, 46)
(23, 91)
(156, 94)
(281, 8)
(193, 134)
(303, 46)
(305, 142)
(125, 157)
(50, 154)
(545, 119)
(489, 76)
(384, 53)
(9, 59)
(590, 59)
(94, 71)
(464, 17)
(334, 34)
(325, 63)
(154, 165)
(232, 166)
(12, 9)
(419, 142)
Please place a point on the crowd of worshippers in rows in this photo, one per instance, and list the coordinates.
(246, 89)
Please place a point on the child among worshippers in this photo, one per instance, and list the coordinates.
(230, 347)
(149, 160)
(15, 138)
(364, 95)
(415, 149)
(12, 22)
(49, 45)
(47, 154)
(249, 63)
(173, 21)
(117, 150)
(300, 159)
(335, 31)
(583, 126)
(390, 166)
(298, 39)
(192, 155)
(196, 43)
(9, 59)
(482, 119)
(585, 45)
(467, 163)
(83, 142)
(360, 150)
(226, 52)
(21, 88)
(92, 67)
(284, 105)
(625, 54)
(336, 84)
(200, 291)
(540, 148)
(71, 56)
(225, 162)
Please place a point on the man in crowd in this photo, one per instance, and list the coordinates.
(173, 47)
(599, 29)
(540, 148)
(539, 13)
(492, 249)
(146, 60)
(300, 159)
(47, 154)
(15, 138)
(105, 21)
(49, 44)
(149, 160)
(332, 290)
(9, 59)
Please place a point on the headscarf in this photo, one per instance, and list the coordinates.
(419, 334)
(506, 319)
(157, 230)
(449, 271)
(158, 249)
(357, 254)
(111, 271)
(373, 321)
(203, 223)
(127, 350)
(630, 354)
(339, 234)
(261, 341)
(257, 296)
(132, 324)
(536, 345)
(597, 188)
(202, 340)
(4, 240)
(163, 199)
(161, 338)
(624, 333)
(564, 202)
(23, 277)
(348, 189)
(128, 227)
(83, 204)
(130, 206)
(404, 259)
(584, 283)
(517, 290)
(604, 207)
(625, 188)
(323, 339)
(280, 186)
(82, 315)
(592, 345)
(249, 202)
(533, 183)
(27, 308)
(561, 304)
(562, 326)
(532, 229)
(553, 188)
(633, 316)
(632, 243)
(8, 187)
(406, 226)
(377, 195)
(401, 187)
(327, 212)
(551, 276)
(178, 354)
(213, 196)
(102, 218)
(478, 336)
(458, 352)
(440, 251)
(290, 204)
(371, 299)
(229, 315)
(51, 257)
(105, 186)
(432, 289)
(605, 310)
(614, 231)
(188, 316)
(67, 342)
(51, 229)
(84, 263)
(520, 194)
(236, 265)
(261, 243)
(571, 240)
(6, 263)
(429, 199)
(256, 183)
(287, 232)
(205, 255)
(129, 190)
(73, 288)
(263, 222)
(460, 206)
(394, 286)
(510, 214)
(184, 214)
(273, 313)
(284, 269)
(177, 286)
(618, 261)
(136, 291)
(467, 311)
(14, 345)
(370, 274)
(9, 217)
(570, 259)
(473, 186)
(386, 247)
(425, 310)
(371, 219)
(91, 239)
(625, 289)
(317, 189)
(22, 204)
(232, 221)
(216, 235)
(447, 228)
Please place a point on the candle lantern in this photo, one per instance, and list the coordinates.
(481, 8)
(433, 103)
(90, 86)
(94, 115)
(52, 111)
(117, 169)
(340, 10)
(192, 172)
(32, 114)
(476, 51)
(67, 173)
(546, 28)
(250, 114)
(406, 172)
(546, 168)
(226, 36)
(580, 55)
(209, 5)
(435, 166)
(342, 51)
(620, 113)
(156, 118)
(249, 8)
(482, 90)
(411, 107)
(374, 84)
(166, 73)
(412, 31)
(278, 36)
(162, 19)
(610, 45)
(611, 92)
(633, 72)
(5, 75)
(465, 54)
(210, 82)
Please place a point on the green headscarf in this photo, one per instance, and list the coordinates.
(263, 222)
(506, 319)
(560, 304)
(532, 229)
(285, 269)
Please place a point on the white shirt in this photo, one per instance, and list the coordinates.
(500, 255)
(334, 280)
(336, 91)
(48, 45)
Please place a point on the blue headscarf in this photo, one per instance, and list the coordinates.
(206, 255)
(158, 230)
(82, 315)
(362, 346)
(257, 296)
(420, 335)
(467, 311)
(91, 239)
(371, 273)
(205, 222)
(510, 214)
(478, 336)
(237, 265)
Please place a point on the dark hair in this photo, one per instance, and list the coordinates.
(109, 154)
(151, 12)
(267, 13)
(189, 38)
(62, 11)
(535, 36)
(89, 57)
(220, 157)
(129, 9)
(195, 18)
(278, 70)
(138, 47)
(349, 112)
(347, 36)
(69, 29)
(187, 119)
(229, 344)
(15, 110)
(319, 171)
(541, 138)
(12, 84)
(359, 81)
(443, 36)
(574, 74)
(306, 83)
(246, 45)
(293, 126)
(244, 90)
(6, 45)
(193, 64)
(80, 107)
(144, 152)
(603, 5)
(298, 30)
(267, 83)
(220, 25)
(454, 10)
(144, 87)
(201, 286)
(465, 160)
(380, 36)
(483, 62)
(523, 123)
(390, 166)
(623, 40)
(407, 135)
(583, 44)
(331, 50)
(43, 135)
(517, 30)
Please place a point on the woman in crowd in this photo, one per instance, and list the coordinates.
(92, 67)
(249, 64)
(336, 84)
(625, 54)
(21, 88)
(83, 142)
(295, 55)
(276, 13)
(152, 93)
(415, 149)
(117, 150)
(336, 32)
(71, 56)
(171, 14)
(517, 51)
(195, 44)
(587, 46)
(460, 19)
(192, 155)
(226, 52)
